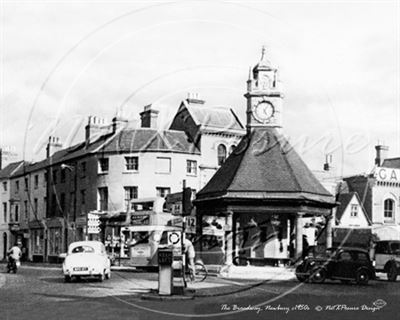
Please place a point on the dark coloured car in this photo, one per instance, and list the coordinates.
(345, 264)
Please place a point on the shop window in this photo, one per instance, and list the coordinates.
(388, 213)
(221, 154)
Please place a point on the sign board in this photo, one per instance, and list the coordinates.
(190, 224)
(387, 174)
(93, 229)
(174, 238)
(140, 220)
(140, 252)
(165, 257)
(93, 220)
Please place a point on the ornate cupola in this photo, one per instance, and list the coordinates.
(264, 96)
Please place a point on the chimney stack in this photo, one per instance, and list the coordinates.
(118, 123)
(328, 162)
(381, 154)
(94, 128)
(194, 98)
(53, 146)
(149, 117)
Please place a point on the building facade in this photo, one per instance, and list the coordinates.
(6, 220)
(49, 201)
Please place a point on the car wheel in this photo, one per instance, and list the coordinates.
(362, 276)
(392, 273)
(67, 279)
(102, 276)
(301, 278)
(108, 275)
(318, 275)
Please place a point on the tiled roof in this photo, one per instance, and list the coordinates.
(214, 117)
(10, 169)
(391, 163)
(149, 140)
(265, 165)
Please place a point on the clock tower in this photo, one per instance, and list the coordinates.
(264, 97)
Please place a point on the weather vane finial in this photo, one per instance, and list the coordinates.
(263, 50)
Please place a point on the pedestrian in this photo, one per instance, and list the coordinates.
(190, 254)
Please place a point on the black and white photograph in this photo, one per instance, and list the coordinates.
(188, 159)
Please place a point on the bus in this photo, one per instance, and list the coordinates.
(146, 229)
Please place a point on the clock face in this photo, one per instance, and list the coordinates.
(263, 111)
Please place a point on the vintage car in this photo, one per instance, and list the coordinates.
(387, 258)
(345, 264)
(86, 259)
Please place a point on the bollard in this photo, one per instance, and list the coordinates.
(165, 272)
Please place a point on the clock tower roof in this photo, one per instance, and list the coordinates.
(264, 63)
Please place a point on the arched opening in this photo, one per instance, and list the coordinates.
(232, 148)
(221, 154)
(388, 210)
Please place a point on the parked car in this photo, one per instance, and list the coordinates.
(387, 258)
(86, 259)
(345, 264)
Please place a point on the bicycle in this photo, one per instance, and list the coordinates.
(199, 275)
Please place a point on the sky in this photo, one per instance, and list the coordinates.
(339, 63)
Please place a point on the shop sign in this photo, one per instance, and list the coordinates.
(140, 220)
(387, 174)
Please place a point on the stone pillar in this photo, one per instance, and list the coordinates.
(299, 235)
(229, 239)
(329, 226)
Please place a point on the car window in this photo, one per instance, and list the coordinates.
(395, 247)
(82, 249)
(362, 257)
(381, 247)
(345, 256)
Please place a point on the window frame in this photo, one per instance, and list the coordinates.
(158, 171)
(128, 164)
(390, 210)
(101, 165)
(354, 210)
(221, 148)
(190, 167)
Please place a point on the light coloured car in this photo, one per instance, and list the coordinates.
(86, 259)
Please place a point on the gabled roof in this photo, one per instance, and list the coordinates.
(265, 166)
(7, 171)
(213, 118)
(391, 163)
(344, 199)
